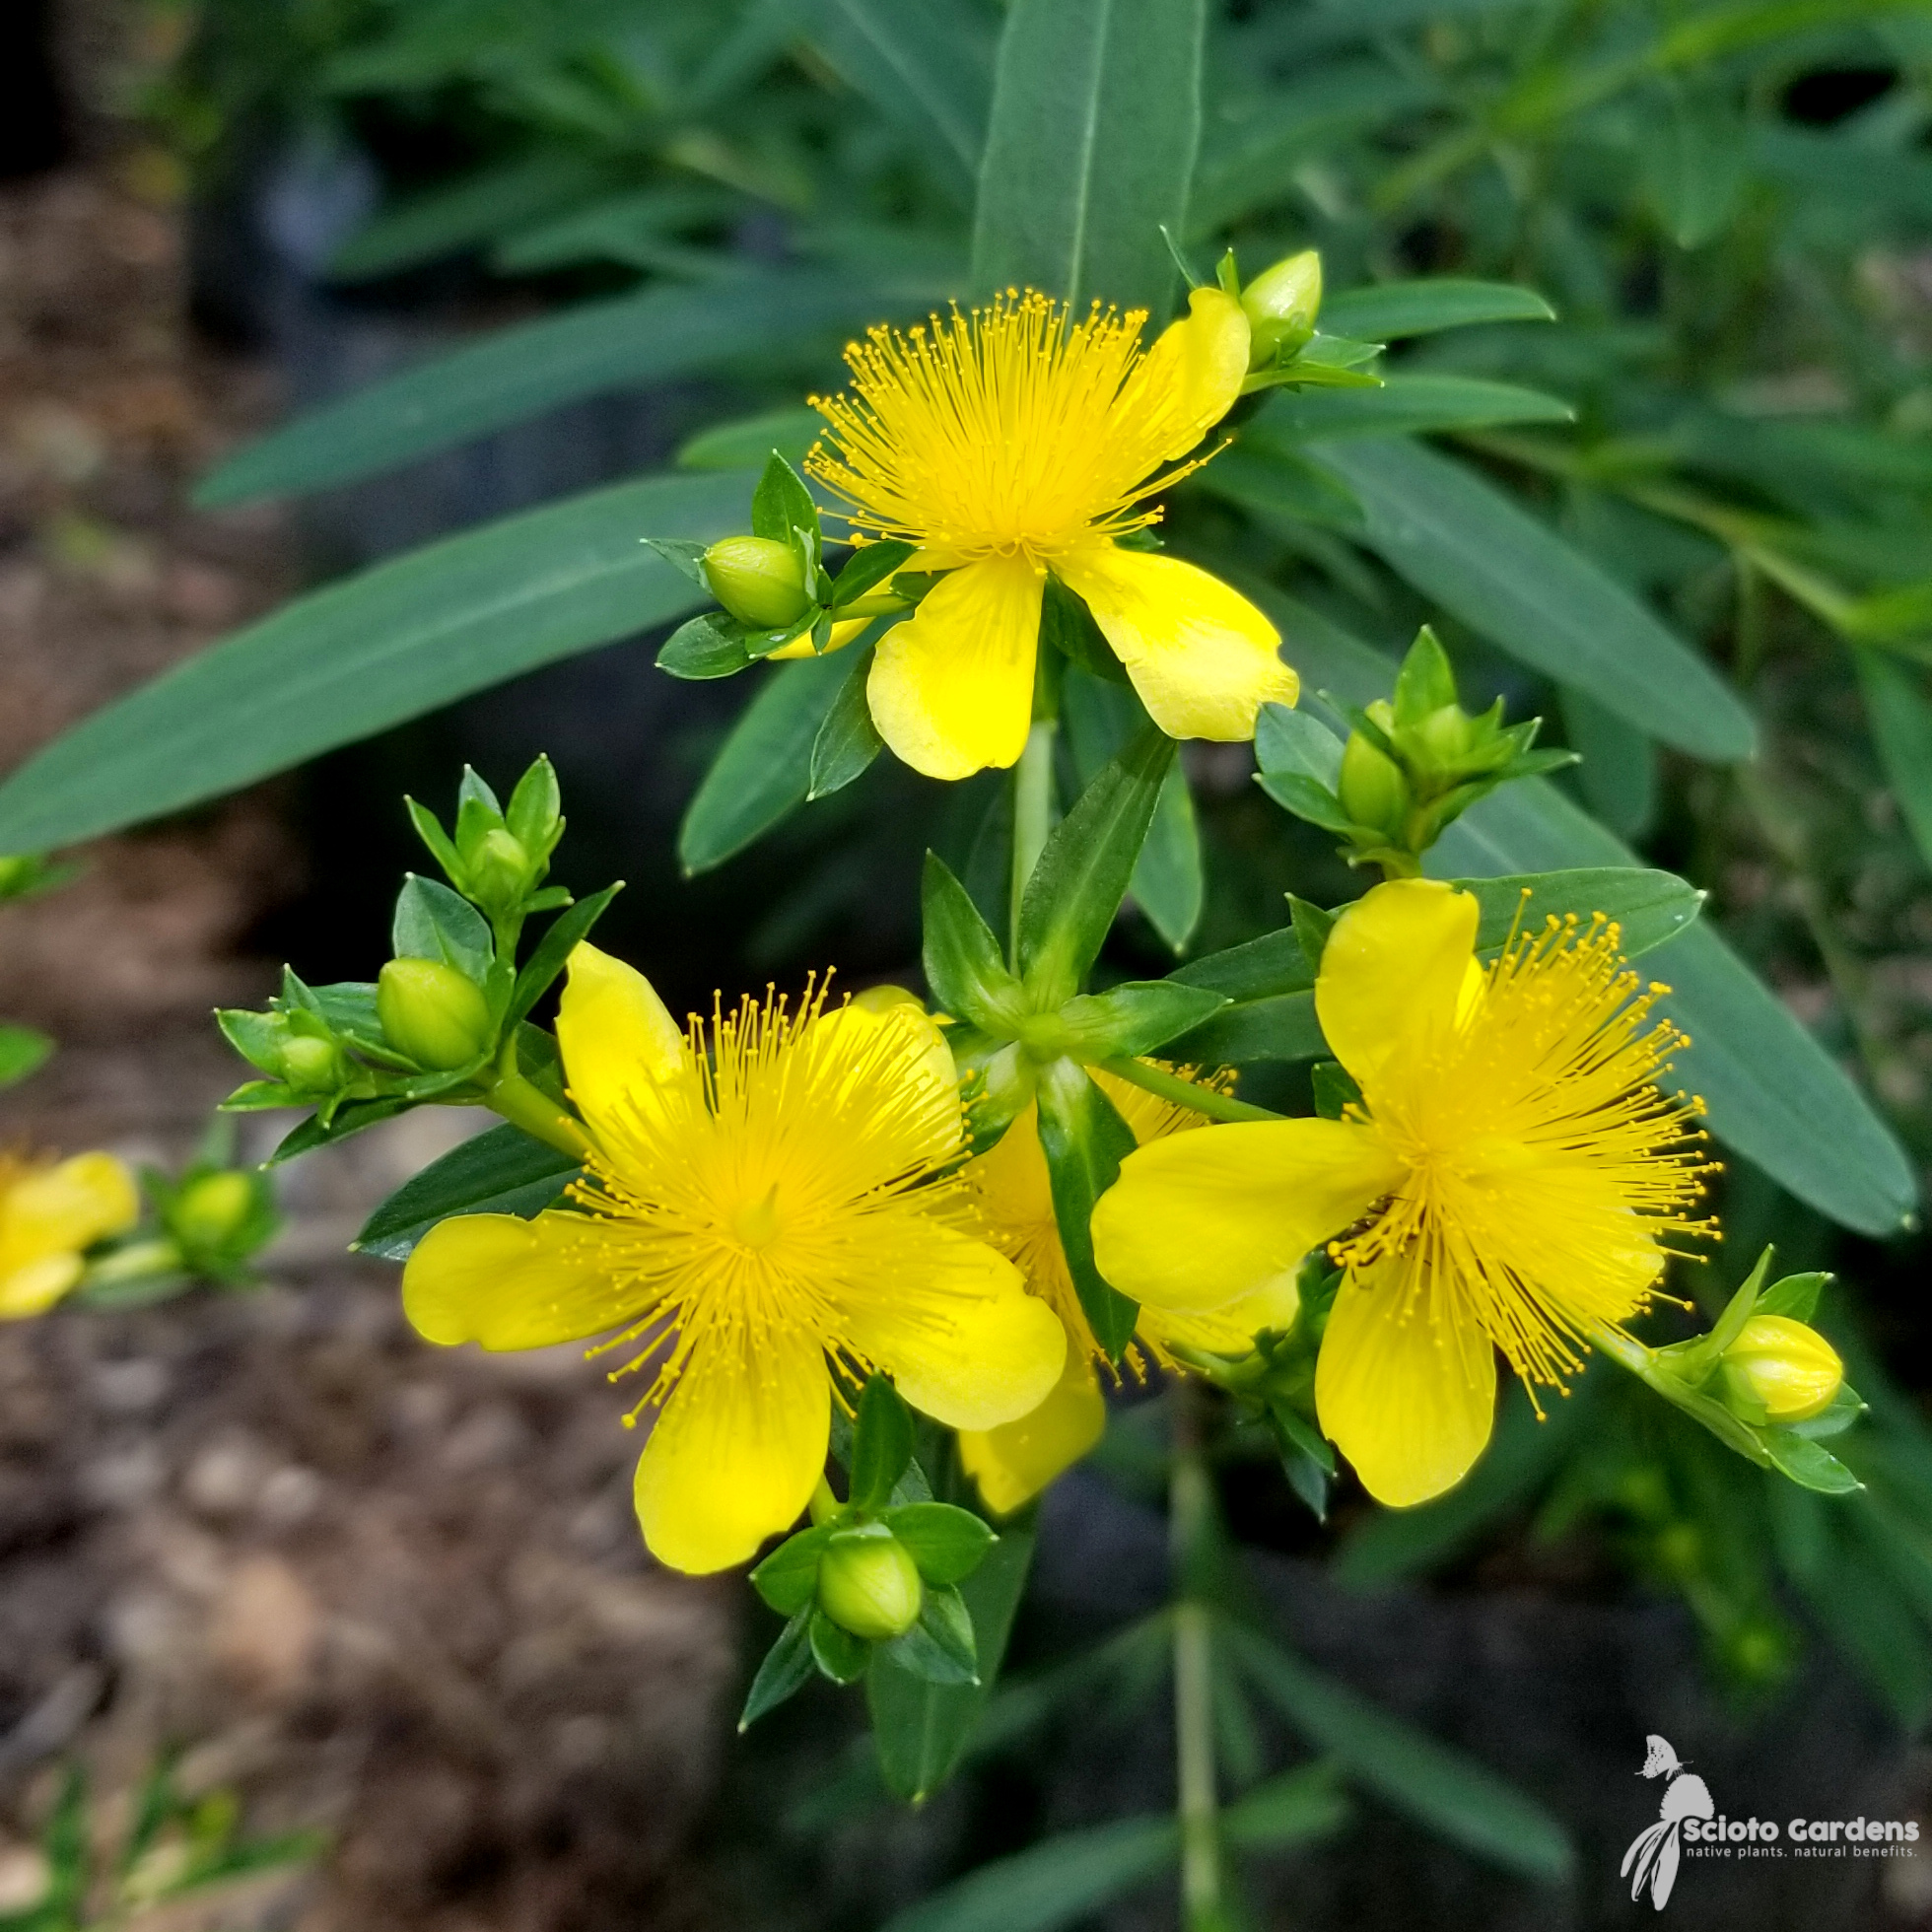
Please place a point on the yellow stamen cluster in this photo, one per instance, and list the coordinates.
(1000, 433)
(1542, 1156)
(738, 1203)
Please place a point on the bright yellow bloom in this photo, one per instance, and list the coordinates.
(1786, 1365)
(765, 1199)
(1504, 1183)
(1007, 443)
(49, 1215)
(1015, 1462)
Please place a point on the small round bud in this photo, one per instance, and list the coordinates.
(869, 1583)
(1788, 1367)
(210, 1211)
(431, 1013)
(500, 871)
(1282, 303)
(759, 581)
(1373, 790)
(310, 1065)
(1445, 735)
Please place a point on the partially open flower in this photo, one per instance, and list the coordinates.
(1786, 1366)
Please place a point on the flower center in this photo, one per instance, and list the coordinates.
(755, 1224)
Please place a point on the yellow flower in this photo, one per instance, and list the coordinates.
(1503, 1184)
(1009, 444)
(758, 1206)
(1013, 1463)
(49, 1215)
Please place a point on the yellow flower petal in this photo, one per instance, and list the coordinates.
(1230, 1328)
(737, 1451)
(35, 1285)
(618, 1040)
(842, 634)
(1203, 659)
(876, 1026)
(951, 689)
(1013, 1463)
(1406, 1386)
(511, 1283)
(1192, 374)
(1394, 972)
(1195, 1220)
(957, 1330)
(63, 1208)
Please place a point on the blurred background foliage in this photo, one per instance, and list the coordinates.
(1727, 205)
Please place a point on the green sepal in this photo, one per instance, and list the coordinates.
(964, 967)
(839, 1654)
(685, 556)
(868, 567)
(1425, 683)
(553, 951)
(433, 922)
(848, 740)
(787, 1669)
(782, 505)
(940, 1647)
(946, 1544)
(788, 1579)
(429, 828)
(1311, 927)
(1084, 1141)
(1067, 627)
(706, 647)
(1795, 1296)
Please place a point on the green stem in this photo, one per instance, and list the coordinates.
(1032, 816)
(508, 1093)
(1184, 1093)
(157, 1255)
(1189, 1505)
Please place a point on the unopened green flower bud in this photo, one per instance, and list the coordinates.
(434, 1014)
(210, 1211)
(1445, 737)
(500, 869)
(869, 1583)
(760, 582)
(1372, 789)
(310, 1065)
(1282, 303)
(1786, 1366)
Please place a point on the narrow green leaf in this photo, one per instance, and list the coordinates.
(882, 1444)
(1090, 148)
(1169, 882)
(477, 208)
(22, 1051)
(1649, 907)
(1393, 310)
(964, 966)
(867, 568)
(780, 503)
(553, 951)
(763, 771)
(1808, 1464)
(499, 1172)
(926, 65)
(920, 1728)
(1083, 872)
(1049, 1885)
(1902, 727)
(1773, 1093)
(1618, 773)
(1270, 983)
(848, 741)
(352, 660)
(746, 442)
(839, 1654)
(1134, 1017)
(1463, 542)
(522, 370)
(1288, 1810)
(1404, 405)
(1298, 744)
(1796, 1296)
(787, 1669)
(1452, 1794)
(1084, 1141)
